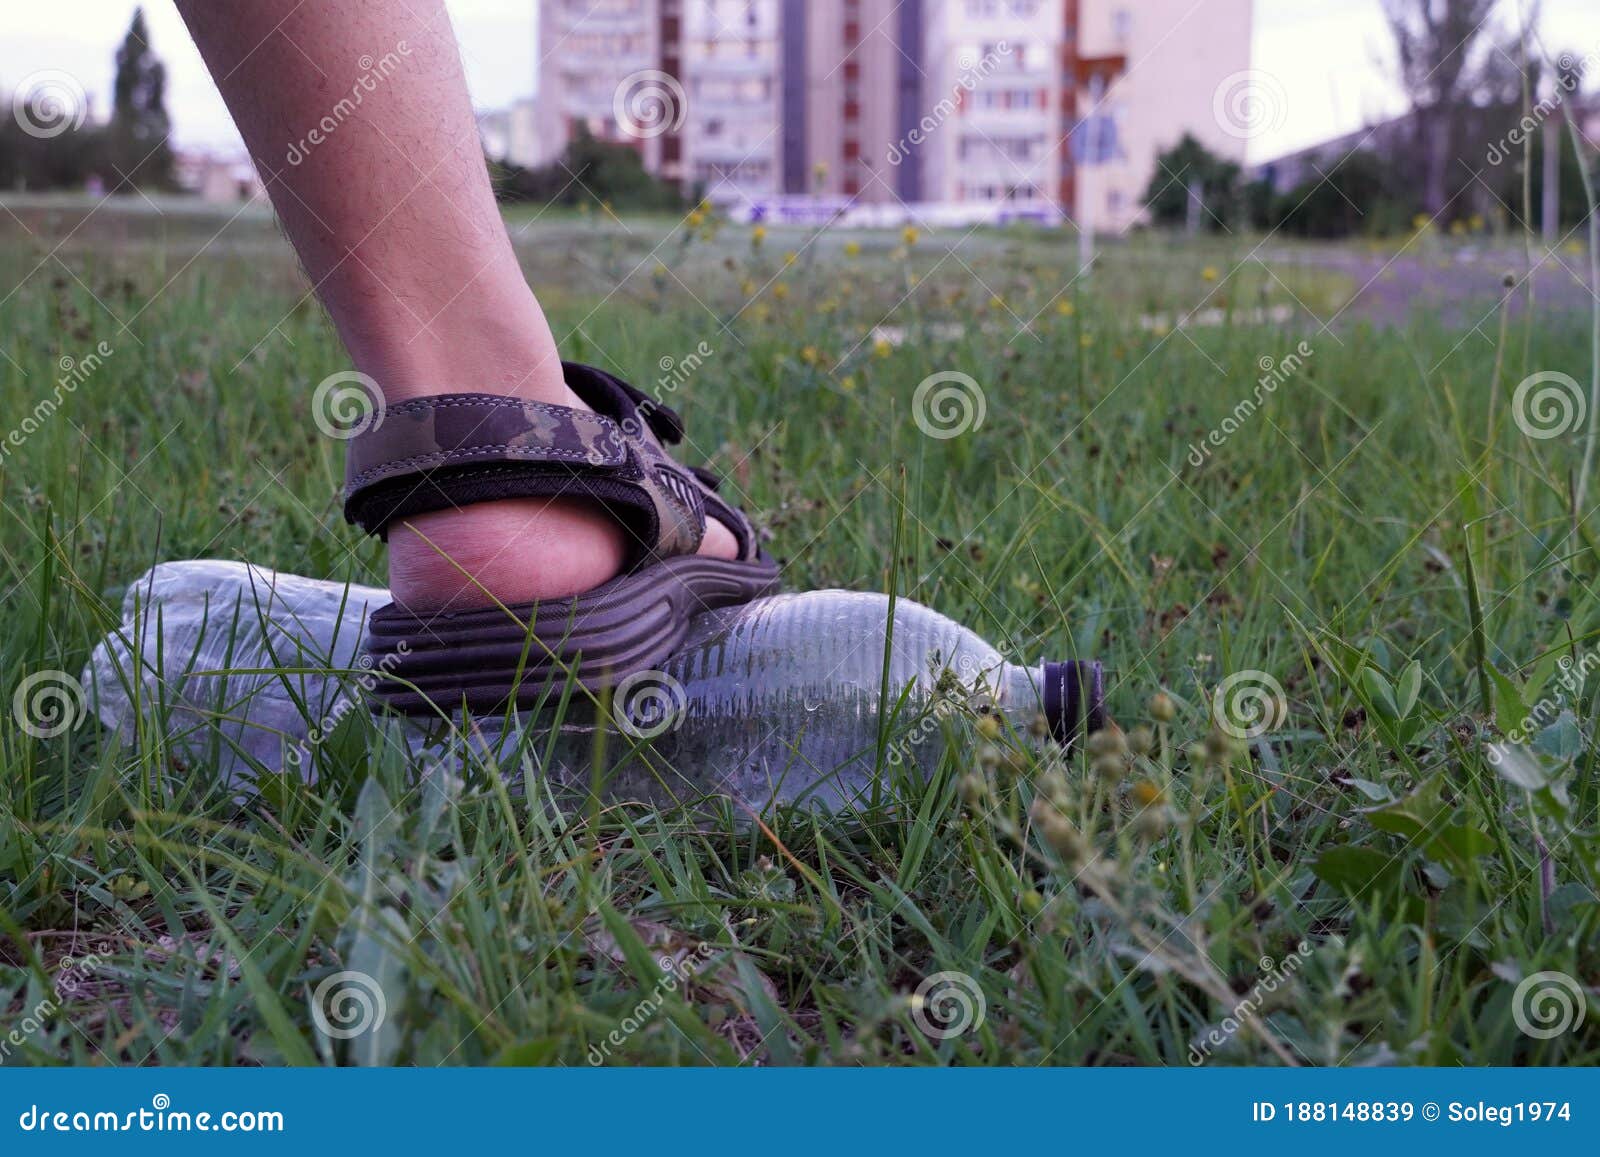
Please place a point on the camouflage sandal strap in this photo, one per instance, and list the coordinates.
(467, 437)
(453, 450)
(461, 429)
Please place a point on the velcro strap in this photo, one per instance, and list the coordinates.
(663, 421)
(453, 430)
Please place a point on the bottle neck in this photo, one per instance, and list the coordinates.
(1071, 696)
(1020, 692)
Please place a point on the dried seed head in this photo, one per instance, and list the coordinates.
(1110, 768)
(1052, 784)
(1141, 740)
(1057, 831)
(1109, 741)
(1151, 824)
(1162, 708)
(1220, 745)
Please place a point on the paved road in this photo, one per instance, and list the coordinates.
(1461, 285)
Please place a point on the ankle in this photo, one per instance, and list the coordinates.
(491, 337)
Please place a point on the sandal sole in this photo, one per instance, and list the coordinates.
(486, 658)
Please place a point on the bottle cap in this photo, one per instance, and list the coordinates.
(1074, 699)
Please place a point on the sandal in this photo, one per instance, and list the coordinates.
(452, 450)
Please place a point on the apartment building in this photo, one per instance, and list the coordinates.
(1186, 62)
(1004, 70)
(1048, 105)
(731, 73)
(694, 85)
(587, 50)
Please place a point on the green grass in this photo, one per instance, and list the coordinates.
(1363, 876)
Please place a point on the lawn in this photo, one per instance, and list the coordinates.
(1376, 877)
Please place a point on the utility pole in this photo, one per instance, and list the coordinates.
(1091, 147)
(1095, 74)
(1551, 200)
(1192, 209)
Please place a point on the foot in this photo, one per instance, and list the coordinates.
(515, 551)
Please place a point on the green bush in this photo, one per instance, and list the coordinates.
(590, 170)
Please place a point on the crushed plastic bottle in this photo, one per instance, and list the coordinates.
(781, 700)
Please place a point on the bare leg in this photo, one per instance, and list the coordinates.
(395, 221)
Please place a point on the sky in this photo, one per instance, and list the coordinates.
(1330, 57)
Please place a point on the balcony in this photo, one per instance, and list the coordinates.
(731, 66)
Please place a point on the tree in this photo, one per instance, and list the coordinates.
(1184, 165)
(45, 142)
(137, 148)
(1356, 196)
(589, 170)
(1464, 78)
